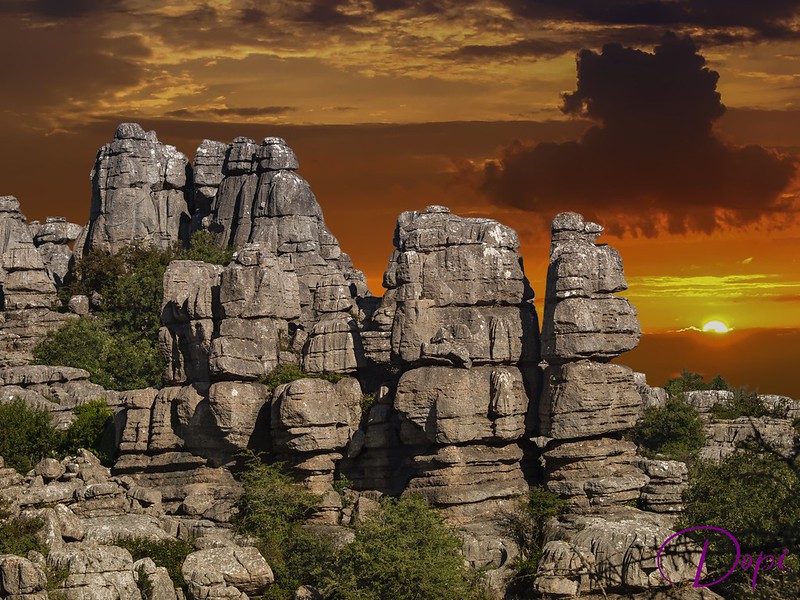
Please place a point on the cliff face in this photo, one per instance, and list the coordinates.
(442, 386)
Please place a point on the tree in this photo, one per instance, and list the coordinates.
(756, 497)
(674, 430)
(92, 429)
(404, 552)
(26, 435)
(115, 360)
(273, 508)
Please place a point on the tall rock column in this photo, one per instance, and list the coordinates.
(249, 193)
(602, 544)
(460, 334)
(138, 193)
(588, 402)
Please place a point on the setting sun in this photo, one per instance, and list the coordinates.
(715, 327)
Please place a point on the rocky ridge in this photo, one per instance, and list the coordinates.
(442, 387)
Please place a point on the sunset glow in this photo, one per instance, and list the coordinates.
(715, 327)
(677, 129)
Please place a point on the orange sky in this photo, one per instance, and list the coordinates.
(395, 104)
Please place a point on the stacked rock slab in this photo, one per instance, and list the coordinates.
(138, 193)
(27, 292)
(24, 282)
(52, 239)
(250, 193)
(600, 545)
(459, 330)
(587, 402)
(284, 300)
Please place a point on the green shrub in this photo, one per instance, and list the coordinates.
(286, 373)
(272, 505)
(757, 498)
(26, 435)
(367, 402)
(745, 404)
(674, 430)
(115, 360)
(403, 552)
(18, 535)
(526, 527)
(688, 382)
(203, 247)
(92, 429)
(272, 508)
(168, 553)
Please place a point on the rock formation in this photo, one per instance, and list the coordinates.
(138, 193)
(456, 337)
(52, 239)
(601, 544)
(436, 388)
(27, 288)
(24, 282)
(86, 511)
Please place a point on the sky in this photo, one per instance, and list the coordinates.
(673, 123)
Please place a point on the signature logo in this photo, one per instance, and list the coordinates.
(747, 562)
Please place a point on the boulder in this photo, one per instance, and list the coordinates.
(228, 572)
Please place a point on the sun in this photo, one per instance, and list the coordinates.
(715, 327)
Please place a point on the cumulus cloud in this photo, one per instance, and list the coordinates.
(767, 18)
(652, 155)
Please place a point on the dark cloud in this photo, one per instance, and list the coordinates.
(70, 8)
(60, 9)
(523, 48)
(770, 18)
(652, 158)
(428, 7)
(249, 111)
(329, 13)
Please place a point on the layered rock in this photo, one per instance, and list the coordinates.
(617, 551)
(228, 572)
(24, 282)
(250, 193)
(52, 239)
(586, 400)
(762, 434)
(312, 422)
(600, 545)
(456, 337)
(139, 188)
(56, 389)
(669, 479)
(582, 317)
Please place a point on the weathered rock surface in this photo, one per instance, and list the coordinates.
(21, 579)
(450, 406)
(762, 434)
(586, 398)
(158, 581)
(664, 492)
(583, 318)
(230, 572)
(615, 552)
(24, 281)
(138, 193)
(250, 193)
(52, 239)
(95, 572)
